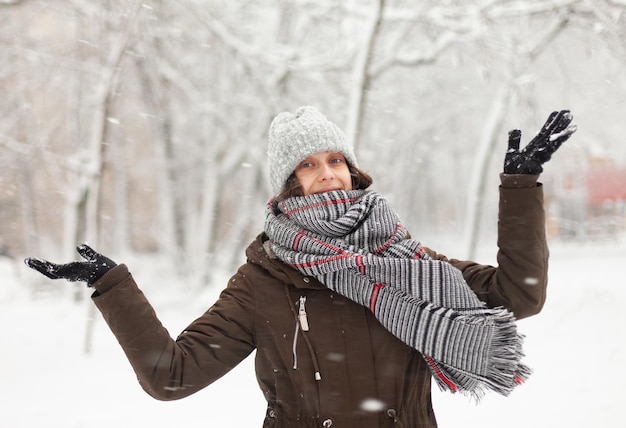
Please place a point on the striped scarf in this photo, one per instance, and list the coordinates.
(354, 244)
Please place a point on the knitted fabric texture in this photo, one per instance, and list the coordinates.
(295, 136)
(355, 245)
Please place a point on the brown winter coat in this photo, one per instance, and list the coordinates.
(368, 377)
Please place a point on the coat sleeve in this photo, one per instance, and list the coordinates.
(209, 347)
(519, 281)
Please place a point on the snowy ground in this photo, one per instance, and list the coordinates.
(575, 347)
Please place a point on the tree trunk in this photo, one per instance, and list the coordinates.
(490, 141)
(361, 78)
(90, 173)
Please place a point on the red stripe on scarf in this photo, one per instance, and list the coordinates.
(327, 245)
(297, 239)
(443, 377)
(374, 296)
(420, 253)
(319, 262)
(319, 204)
(359, 263)
(386, 245)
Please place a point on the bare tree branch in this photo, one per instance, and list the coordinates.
(510, 9)
(7, 3)
(417, 58)
(557, 28)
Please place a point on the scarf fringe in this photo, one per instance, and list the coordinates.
(505, 370)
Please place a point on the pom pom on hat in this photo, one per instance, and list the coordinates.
(295, 136)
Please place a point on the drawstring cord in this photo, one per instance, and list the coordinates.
(293, 348)
(300, 318)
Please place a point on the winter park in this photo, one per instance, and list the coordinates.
(146, 145)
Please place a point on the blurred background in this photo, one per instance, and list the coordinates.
(140, 126)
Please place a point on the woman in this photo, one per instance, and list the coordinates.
(349, 316)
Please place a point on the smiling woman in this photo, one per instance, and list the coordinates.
(349, 316)
(294, 137)
(323, 172)
(360, 180)
(308, 154)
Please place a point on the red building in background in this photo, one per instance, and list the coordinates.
(606, 184)
(587, 202)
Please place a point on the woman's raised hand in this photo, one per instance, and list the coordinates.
(557, 129)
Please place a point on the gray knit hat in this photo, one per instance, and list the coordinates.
(295, 136)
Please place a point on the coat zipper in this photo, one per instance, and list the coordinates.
(304, 325)
(304, 322)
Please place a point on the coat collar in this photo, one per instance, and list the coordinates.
(259, 253)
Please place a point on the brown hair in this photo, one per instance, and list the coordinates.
(361, 180)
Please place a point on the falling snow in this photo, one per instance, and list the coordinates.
(571, 346)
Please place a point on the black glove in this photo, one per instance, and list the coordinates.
(89, 271)
(529, 160)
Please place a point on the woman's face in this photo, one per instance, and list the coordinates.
(323, 172)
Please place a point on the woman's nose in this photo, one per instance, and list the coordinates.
(326, 172)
